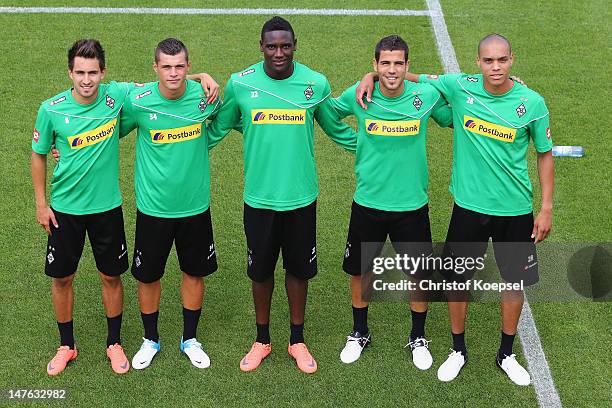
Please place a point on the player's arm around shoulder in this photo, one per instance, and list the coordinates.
(209, 85)
(442, 113)
(345, 104)
(330, 121)
(226, 115)
(446, 84)
(127, 117)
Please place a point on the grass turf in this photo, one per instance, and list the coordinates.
(575, 335)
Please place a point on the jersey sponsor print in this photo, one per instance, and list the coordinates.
(491, 137)
(391, 145)
(86, 180)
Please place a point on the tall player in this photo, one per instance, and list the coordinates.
(494, 118)
(172, 180)
(83, 123)
(276, 101)
(391, 196)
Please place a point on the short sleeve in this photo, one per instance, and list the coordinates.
(43, 136)
(445, 84)
(539, 129)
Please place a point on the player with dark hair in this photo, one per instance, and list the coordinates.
(494, 118)
(82, 122)
(391, 149)
(275, 102)
(172, 180)
(170, 46)
(277, 23)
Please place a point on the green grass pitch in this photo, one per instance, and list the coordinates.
(562, 51)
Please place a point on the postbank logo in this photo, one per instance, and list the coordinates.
(176, 135)
(488, 129)
(278, 116)
(94, 136)
(393, 127)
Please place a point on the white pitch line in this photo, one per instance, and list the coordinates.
(545, 389)
(209, 11)
(547, 394)
(445, 46)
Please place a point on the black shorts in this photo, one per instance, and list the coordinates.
(269, 231)
(193, 237)
(106, 235)
(408, 231)
(515, 252)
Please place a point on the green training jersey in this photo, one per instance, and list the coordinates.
(491, 136)
(277, 121)
(391, 160)
(86, 179)
(172, 175)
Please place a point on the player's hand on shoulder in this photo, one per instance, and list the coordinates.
(517, 79)
(210, 86)
(365, 87)
(45, 216)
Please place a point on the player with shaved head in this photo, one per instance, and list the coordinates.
(494, 118)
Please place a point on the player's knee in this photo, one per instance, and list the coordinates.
(193, 280)
(110, 281)
(63, 283)
(514, 296)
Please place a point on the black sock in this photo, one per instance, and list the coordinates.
(459, 343)
(505, 349)
(66, 334)
(360, 319)
(263, 333)
(418, 324)
(150, 325)
(297, 333)
(190, 323)
(114, 330)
